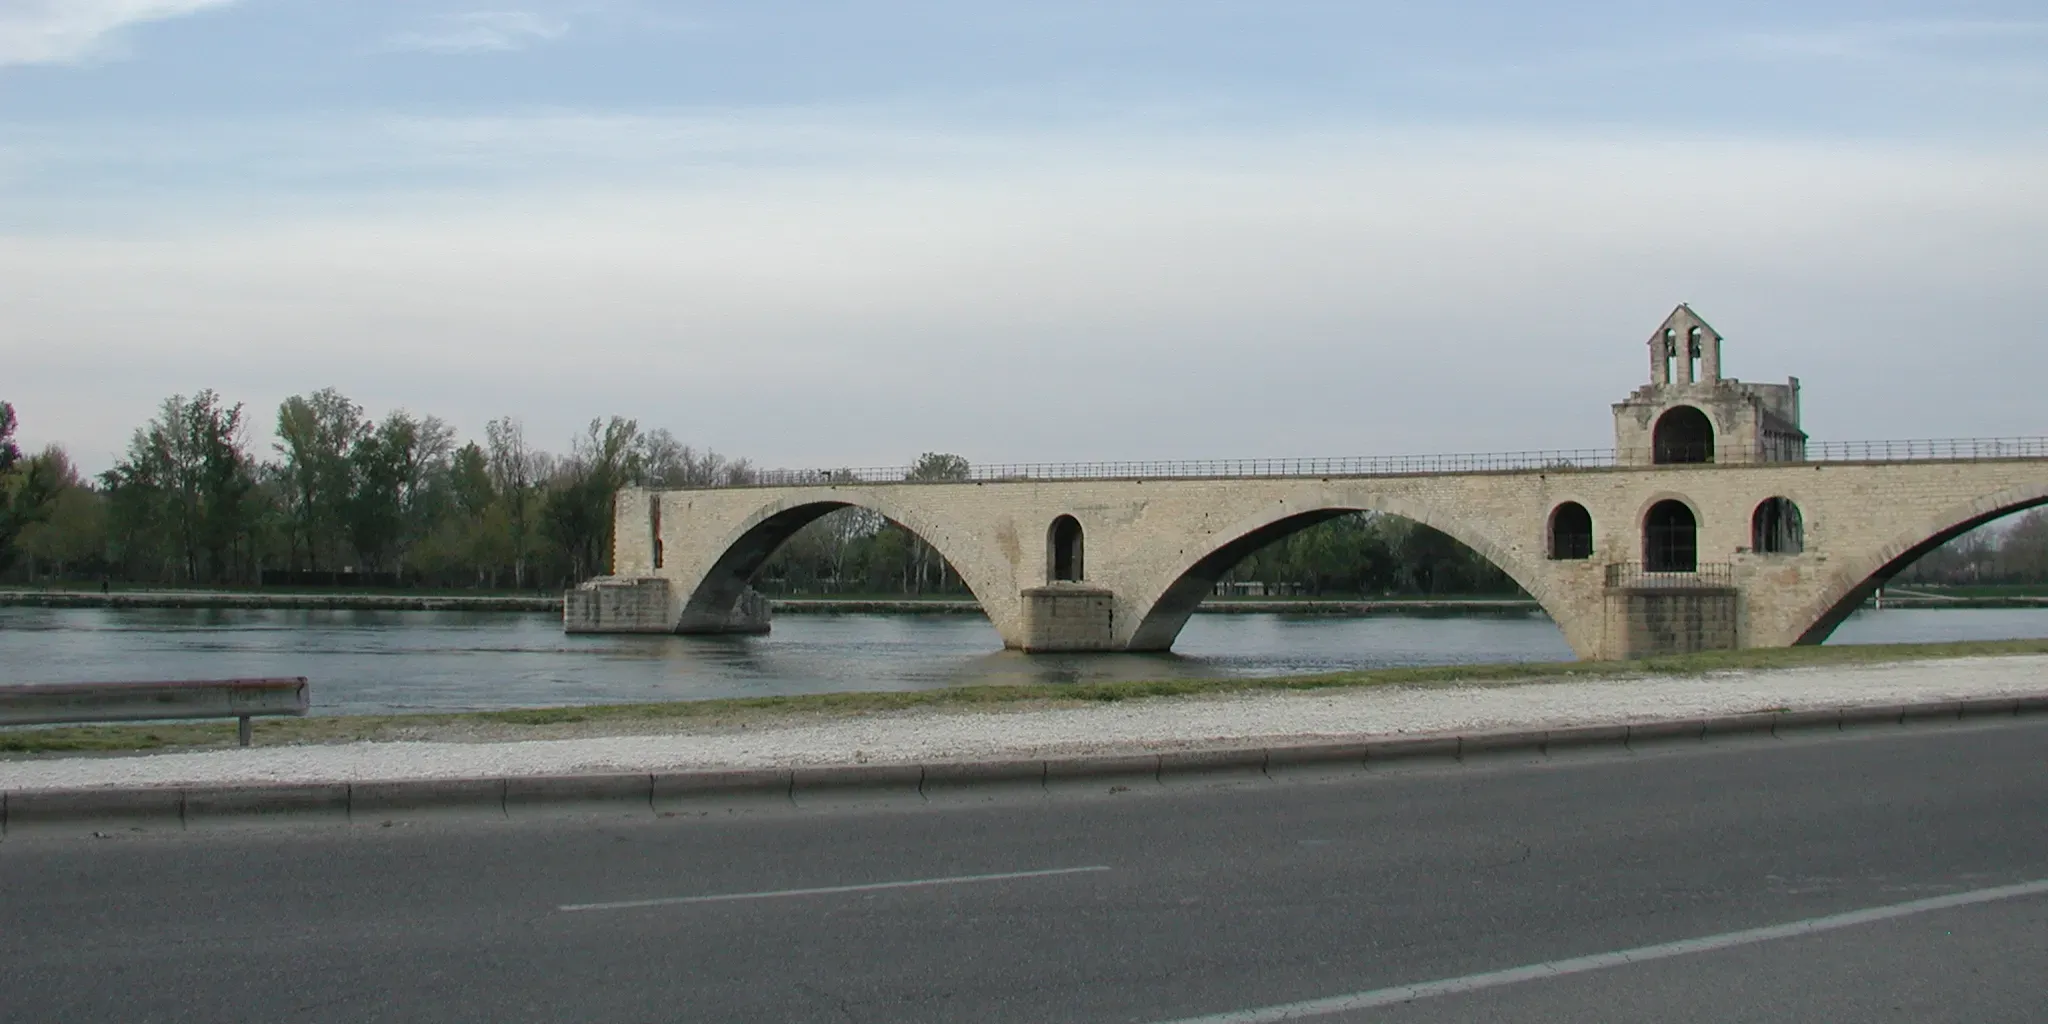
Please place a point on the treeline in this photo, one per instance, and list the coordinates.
(191, 502)
(404, 500)
(2017, 554)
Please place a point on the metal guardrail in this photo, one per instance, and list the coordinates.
(84, 703)
(1393, 465)
(1633, 576)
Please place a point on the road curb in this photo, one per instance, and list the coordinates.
(30, 812)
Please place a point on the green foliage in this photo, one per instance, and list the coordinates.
(2013, 551)
(1371, 554)
(72, 535)
(28, 488)
(185, 492)
(933, 467)
(316, 435)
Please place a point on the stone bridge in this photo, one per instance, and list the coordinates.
(1712, 524)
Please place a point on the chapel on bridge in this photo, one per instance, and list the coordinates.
(1688, 412)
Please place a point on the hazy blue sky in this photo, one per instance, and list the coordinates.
(844, 233)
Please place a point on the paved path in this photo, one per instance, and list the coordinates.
(1132, 907)
(928, 736)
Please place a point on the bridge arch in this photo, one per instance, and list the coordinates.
(1164, 608)
(745, 548)
(1850, 586)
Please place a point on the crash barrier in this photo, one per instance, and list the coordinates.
(83, 703)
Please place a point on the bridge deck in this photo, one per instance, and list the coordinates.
(1922, 450)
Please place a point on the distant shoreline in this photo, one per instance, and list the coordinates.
(552, 603)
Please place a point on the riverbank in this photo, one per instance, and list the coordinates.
(1281, 713)
(257, 600)
(690, 716)
(551, 604)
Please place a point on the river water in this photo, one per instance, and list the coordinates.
(365, 662)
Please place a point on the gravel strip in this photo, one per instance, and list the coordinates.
(1177, 723)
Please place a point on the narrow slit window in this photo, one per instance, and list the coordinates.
(1064, 539)
(654, 525)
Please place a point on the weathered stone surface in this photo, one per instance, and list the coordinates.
(1155, 547)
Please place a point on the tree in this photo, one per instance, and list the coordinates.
(185, 486)
(395, 469)
(667, 462)
(316, 435)
(578, 511)
(28, 487)
(514, 468)
(74, 532)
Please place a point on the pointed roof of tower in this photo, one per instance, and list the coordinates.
(1682, 320)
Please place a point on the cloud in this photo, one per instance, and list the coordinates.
(67, 31)
(1033, 297)
(1873, 41)
(480, 32)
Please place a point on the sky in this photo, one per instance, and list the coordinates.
(841, 234)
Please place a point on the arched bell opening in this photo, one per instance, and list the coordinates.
(1571, 532)
(1683, 435)
(1671, 541)
(1063, 559)
(1776, 528)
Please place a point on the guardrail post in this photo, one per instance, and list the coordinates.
(242, 730)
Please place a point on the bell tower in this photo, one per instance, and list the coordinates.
(1689, 413)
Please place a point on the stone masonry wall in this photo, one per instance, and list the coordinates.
(1143, 536)
(1656, 621)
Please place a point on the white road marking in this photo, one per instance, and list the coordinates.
(1601, 961)
(828, 890)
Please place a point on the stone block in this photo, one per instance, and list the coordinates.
(1069, 617)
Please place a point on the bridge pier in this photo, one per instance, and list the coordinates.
(1647, 616)
(1068, 616)
(649, 604)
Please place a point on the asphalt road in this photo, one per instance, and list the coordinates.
(1167, 905)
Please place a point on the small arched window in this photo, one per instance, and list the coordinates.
(1694, 352)
(1063, 550)
(1777, 528)
(1571, 532)
(1671, 538)
(1670, 356)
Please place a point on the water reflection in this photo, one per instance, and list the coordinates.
(383, 661)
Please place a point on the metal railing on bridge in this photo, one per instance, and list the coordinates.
(1565, 459)
(1636, 576)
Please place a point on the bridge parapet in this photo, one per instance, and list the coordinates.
(1547, 460)
(1634, 576)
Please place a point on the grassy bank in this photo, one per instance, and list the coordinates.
(549, 723)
